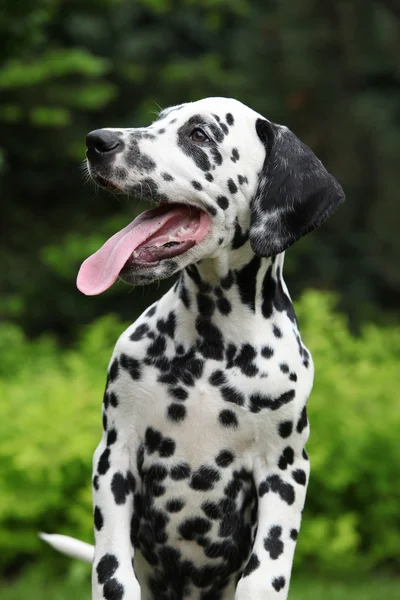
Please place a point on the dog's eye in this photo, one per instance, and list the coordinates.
(198, 135)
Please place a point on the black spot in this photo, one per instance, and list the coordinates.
(244, 360)
(228, 280)
(276, 331)
(139, 332)
(209, 177)
(304, 454)
(278, 583)
(273, 544)
(246, 281)
(184, 295)
(267, 352)
(229, 119)
(212, 345)
(113, 590)
(166, 448)
(287, 458)
(176, 412)
(106, 567)
(98, 518)
(299, 476)
(167, 177)
(174, 505)
(161, 131)
(111, 437)
(205, 305)
(180, 471)
(157, 348)
(179, 393)
(230, 394)
(151, 311)
(197, 185)
(223, 202)
(152, 439)
(104, 462)
(285, 429)
(217, 156)
(228, 525)
(259, 402)
(242, 179)
(140, 459)
(275, 483)
(167, 326)
(204, 478)
(294, 534)
(157, 472)
(232, 186)
(195, 276)
(303, 421)
(293, 377)
(275, 297)
(122, 487)
(284, 368)
(105, 421)
(212, 510)
(227, 418)
(131, 365)
(113, 400)
(224, 306)
(114, 369)
(224, 458)
(252, 565)
(230, 355)
(168, 378)
(96, 482)
(235, 155)
(224, 128)
(191, 528)
(217, 378)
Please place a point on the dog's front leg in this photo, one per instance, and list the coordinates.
(281, 482)
(114, 484)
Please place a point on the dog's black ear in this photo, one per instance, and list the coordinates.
(295, 192)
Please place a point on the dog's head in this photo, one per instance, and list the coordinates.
(220, 175)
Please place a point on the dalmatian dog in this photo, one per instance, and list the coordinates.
(200, 478)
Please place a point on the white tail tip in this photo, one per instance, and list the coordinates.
(69, 546)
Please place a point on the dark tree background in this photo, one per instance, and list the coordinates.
(329, 69)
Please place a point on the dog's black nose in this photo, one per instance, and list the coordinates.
(102, 143)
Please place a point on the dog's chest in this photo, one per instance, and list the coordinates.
(207, 399)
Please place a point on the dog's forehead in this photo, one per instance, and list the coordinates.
(226, 110)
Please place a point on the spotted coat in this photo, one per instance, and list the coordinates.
(200, 478)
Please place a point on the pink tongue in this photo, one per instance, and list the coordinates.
(99, 271)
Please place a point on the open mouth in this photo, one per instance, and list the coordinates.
(157, 234)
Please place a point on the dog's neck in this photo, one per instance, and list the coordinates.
(236, 296)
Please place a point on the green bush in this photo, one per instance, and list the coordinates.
(50, 426)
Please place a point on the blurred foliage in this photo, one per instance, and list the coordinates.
(38, 585)
(329, 69)
(51, 424)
